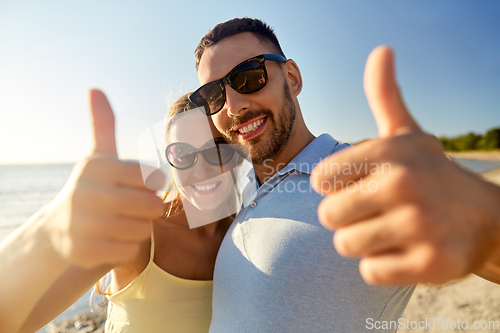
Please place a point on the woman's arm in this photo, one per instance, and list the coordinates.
(99, 219)
(28, 266)
(72, 284)
(68, 245)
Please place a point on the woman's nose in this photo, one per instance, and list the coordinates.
(202, 170)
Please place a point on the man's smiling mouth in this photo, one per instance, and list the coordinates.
(251, 128)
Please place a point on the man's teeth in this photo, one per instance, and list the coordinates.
(204, 187)
(251, 127)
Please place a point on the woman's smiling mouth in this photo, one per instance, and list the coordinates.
(208, 188)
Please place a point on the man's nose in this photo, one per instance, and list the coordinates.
(235, 102)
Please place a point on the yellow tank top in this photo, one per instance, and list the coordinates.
(157, 301)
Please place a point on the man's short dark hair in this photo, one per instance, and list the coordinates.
(236, 26)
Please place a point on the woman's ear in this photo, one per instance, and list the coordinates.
(294, 79)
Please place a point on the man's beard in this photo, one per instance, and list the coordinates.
(279, 133)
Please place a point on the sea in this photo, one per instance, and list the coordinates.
(24, 189)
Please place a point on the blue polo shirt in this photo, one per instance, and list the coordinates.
(277, 269)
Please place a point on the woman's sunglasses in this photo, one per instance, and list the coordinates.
(247, 77)
(182, 155)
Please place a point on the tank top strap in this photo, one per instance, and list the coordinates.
(152, 251)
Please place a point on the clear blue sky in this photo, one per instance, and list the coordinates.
(141, 54)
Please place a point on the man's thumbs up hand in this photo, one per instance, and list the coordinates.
(383, 94)
(103, 213)
(409, 212)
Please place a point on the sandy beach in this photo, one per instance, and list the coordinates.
(492, 175)
(472, 299)
(477, 155)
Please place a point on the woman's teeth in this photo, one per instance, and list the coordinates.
(204, 187)
(251, 127)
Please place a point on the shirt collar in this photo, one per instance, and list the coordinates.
(311, 155)
(305, 161)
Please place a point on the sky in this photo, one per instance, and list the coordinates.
(141, 55)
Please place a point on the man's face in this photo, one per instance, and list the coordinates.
(261, 121)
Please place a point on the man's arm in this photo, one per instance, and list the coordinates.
(419, 217)
(490, 272)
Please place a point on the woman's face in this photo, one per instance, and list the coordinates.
(205, 185)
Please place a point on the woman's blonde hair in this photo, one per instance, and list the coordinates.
(182, 104)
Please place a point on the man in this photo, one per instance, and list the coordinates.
(276, 270)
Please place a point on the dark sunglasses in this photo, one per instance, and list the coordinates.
(182, 155)
(247, 77)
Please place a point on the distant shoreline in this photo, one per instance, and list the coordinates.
(493, 155)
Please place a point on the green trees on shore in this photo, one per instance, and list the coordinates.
(472, 141)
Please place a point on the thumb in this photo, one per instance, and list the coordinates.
(103, 124)
(383, 94)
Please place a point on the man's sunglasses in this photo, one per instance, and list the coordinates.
(247, 77)
(182, 155)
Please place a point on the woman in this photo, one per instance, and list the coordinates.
(101, 221)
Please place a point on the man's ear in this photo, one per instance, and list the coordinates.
(294, 79)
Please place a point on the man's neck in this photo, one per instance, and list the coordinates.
(292, 148)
